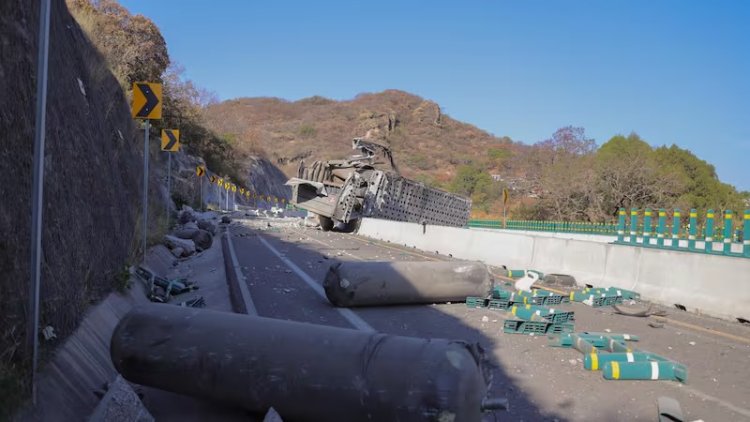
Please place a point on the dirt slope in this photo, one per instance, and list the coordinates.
(427, 143)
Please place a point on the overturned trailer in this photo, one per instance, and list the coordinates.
(344, 191)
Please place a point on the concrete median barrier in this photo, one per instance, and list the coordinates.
(709, 284)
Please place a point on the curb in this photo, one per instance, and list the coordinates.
(239, 294)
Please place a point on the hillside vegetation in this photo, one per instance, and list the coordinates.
(565, 177)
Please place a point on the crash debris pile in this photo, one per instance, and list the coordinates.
(612, 354)
(534, 314)
(193, 234)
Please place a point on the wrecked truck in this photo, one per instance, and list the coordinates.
(369, 185)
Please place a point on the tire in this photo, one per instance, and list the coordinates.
(351, 226)
(326, 224)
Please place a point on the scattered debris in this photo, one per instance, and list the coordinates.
(680, 307)
(642, 313)
(563, 280)
(655, 325)
(669, 410)
(49, 333)
(525, 282)
(368, 283)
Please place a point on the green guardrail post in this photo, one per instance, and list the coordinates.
(709, 231)
(676, 228)
(746, 234)
(661, 226)
(727, 232)
(693, 229)
(633, 225)
(647, 227)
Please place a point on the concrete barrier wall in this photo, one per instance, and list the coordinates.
(560, 235)
(709, 284)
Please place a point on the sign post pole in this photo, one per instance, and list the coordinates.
(505, 203)
(37, 198)
(146, 105)
(169, 183)
(145, 187)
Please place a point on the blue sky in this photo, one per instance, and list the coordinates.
(672, 71)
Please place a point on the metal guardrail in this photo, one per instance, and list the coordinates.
(692, 236)
(655, 229)
(607, 229)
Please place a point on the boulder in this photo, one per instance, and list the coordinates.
(207, 226)
(190, 225)
(226, 219)
(186, 233)
(203, 240)
(173, 242)
(186, 215)
(177, 252)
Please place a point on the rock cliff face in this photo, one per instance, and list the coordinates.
(93, 173)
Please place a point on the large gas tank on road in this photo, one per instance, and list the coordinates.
(405, 282)
(306, 372)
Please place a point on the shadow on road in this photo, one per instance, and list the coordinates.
(280, 293)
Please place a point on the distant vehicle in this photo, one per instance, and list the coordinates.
(343, 191)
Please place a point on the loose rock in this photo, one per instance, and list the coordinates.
(207, 226)
(187, 245)
(186, 233)
(177, 252)
(202, 239)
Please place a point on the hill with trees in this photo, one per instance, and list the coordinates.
(565, 177)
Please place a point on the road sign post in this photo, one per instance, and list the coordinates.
(226, 199)
(505, 204)
(146, 106)
(145, 187)
(170, 142)
(200, 171)
(37, 198)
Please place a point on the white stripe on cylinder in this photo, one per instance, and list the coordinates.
(654, 370)
(630, 357)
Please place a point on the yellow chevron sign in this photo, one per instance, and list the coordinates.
(146, 100)
(212, 178)
(234, 188)
(200, 171)
(226, 185)
(170, 140)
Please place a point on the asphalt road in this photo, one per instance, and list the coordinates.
(284, 265)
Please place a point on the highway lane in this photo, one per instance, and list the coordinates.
(541, 382)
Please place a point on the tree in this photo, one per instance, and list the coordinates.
(702, 187)
(475, 182)
(132, 44)
(567, 142)
(629, 175)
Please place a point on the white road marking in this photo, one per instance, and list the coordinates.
(350, 316)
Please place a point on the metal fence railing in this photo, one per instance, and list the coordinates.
(723, 233)
(608, 229)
